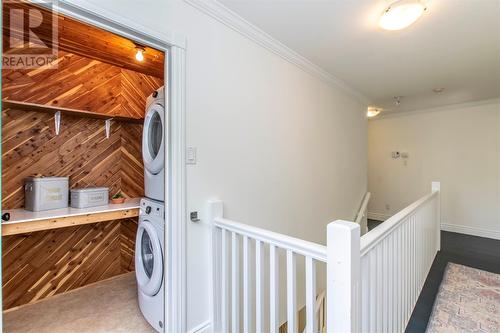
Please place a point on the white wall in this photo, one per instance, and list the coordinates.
(282, 149)
(457, 145)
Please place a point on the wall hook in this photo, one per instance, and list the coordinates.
(193, 216)
(107, 127)
(57, 120)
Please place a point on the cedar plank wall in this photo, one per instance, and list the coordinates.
(81, 83)
(72, 257)
(45, 263)
(41, 264)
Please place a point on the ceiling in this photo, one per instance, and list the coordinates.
(455, 45)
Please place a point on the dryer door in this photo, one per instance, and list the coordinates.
(153, 152)
(148, 259)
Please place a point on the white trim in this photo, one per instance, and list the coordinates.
(234, 21)
(175, 197)
(362, 208)
(378, 216)
(204, 327)
(435, 109)
(296, 245)
(474, 231)
(371, 239)
(175, 182)
(110, 21)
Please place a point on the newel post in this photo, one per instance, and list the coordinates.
(343, 277)
(436, 187)
(215, 210)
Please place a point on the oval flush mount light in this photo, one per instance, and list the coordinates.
(401, 14)
(372, 111)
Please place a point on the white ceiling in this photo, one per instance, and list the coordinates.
(455, 45)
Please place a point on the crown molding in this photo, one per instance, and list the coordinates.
(232, 20)
(448, 107)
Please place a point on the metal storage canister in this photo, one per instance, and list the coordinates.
(44, 193)
(89, 197)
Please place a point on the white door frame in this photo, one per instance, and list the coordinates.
(175, 132)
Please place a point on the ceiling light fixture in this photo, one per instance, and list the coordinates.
(438, 90)
(401, 14)
(372, 111)
(139, 55)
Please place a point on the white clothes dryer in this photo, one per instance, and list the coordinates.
(153, 149)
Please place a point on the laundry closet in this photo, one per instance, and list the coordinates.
(82, 118)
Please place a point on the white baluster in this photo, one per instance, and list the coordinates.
(380, 269)
(224, 282)
(291, 292)
(436, 186)
(235, 284)
(399, 294)
(311, 324)
(215, 210)
(385, 290)
(373, 291)
(365, 290)
(246, 288)
(274, 320)
(259, 287)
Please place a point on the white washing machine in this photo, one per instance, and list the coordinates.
(153, 150)
(149, 254)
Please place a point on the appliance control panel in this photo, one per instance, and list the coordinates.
(152, 208)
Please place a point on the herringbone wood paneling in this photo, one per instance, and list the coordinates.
(95, 73)
(128, 230)
(41, 264)
(83, 84)
(81, 152)
(45, 263)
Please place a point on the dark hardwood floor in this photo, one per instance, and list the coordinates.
(478, 252)
(373, 223)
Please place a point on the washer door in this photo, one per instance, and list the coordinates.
(148, 259)
(153, 152)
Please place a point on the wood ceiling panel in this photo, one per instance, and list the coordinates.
(88, 41)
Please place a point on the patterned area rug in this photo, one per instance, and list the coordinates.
(468, 301)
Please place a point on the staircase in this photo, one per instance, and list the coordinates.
(372, 281)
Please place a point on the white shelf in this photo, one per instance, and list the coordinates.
(22, 215)
(24, 221)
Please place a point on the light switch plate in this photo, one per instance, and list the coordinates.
(191, 155)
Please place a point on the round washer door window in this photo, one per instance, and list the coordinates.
(152, 139)
(148, 259)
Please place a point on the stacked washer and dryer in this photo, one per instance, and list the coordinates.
(150, 242)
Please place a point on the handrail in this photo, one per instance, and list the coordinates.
(297, 245)
(362, 209)
(377, 234)
(320, 302)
